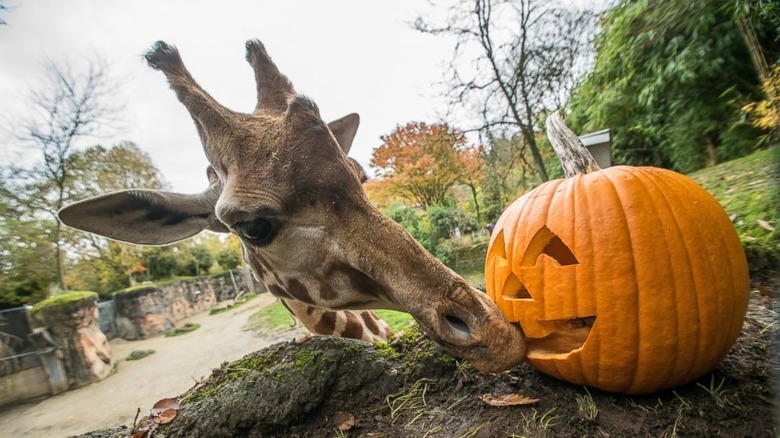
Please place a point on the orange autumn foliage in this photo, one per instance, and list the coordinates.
(421, 161)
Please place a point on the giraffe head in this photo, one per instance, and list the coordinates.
(280, 179)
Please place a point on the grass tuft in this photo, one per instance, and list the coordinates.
(183, 330)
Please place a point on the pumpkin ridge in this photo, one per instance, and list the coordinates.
(636, 306)
(699, 365)
(648, 177)
(730, 301)
(582, 203)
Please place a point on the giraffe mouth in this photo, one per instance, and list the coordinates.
(471, 327)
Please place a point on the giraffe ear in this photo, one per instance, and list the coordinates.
(145, 217)
(344, 129)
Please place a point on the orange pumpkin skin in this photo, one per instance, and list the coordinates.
(627, 279)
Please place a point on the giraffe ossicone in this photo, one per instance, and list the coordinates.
(280, 179)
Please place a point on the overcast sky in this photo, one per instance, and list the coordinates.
(349, 56)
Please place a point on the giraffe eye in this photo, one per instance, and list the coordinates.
(258, 232)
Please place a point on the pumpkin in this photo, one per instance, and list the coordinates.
(626, 279)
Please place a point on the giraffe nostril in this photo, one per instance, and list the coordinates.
(458, 325)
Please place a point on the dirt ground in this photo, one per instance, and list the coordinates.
(174, 368)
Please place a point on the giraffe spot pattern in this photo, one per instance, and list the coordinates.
(278, 291)
(370, 322)
(326, 324)
(353, 329)
(299, 291)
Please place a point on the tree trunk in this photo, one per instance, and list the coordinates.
(748, 34)
(58, 248)
(476, 203)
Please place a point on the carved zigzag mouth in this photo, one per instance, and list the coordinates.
(566, 336)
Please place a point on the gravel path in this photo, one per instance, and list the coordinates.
(174, 368)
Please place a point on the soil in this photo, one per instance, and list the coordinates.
(177, 363)
(411, 388)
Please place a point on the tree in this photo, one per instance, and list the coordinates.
(67, 108)
(504, 178)
(229, 256)
(670, 80)
(472, 173)
(421, 161)
(25, 258)
(514, 60)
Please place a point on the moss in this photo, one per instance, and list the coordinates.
(65, 298)
(186, 328)
(386, 351)
(139, 354)
(304, 359)
(229, 372)
(150, 284)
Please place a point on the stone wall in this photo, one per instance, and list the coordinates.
(229, 284)
(143, 312)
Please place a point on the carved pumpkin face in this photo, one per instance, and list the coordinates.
(626, 279)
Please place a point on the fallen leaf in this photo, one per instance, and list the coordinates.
(765, 225)
(165, 416)
(344, 420)
(508, 400)
(167, 403)
(146, 428)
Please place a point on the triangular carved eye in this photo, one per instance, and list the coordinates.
(546, 242)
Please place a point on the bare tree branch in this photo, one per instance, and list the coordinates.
(67, 108)
(530, 55)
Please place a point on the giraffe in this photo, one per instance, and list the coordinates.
(280, 179)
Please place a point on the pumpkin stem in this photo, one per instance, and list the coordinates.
(575, 157)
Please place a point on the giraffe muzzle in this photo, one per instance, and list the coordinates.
(470, 326)
(458, 326)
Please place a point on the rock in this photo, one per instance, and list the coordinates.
(283, 385)
(141, 312)
(147, 311)
(72, 319)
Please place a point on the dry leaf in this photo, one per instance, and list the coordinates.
(167, 403)
(344, 420)
(146, 428)
(165, 416)
(508, 400)
(765, 225)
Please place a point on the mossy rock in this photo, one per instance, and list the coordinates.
(71, 299)
(284, 385)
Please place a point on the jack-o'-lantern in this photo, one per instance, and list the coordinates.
(627, 279)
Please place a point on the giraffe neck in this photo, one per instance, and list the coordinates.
(362, 325)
